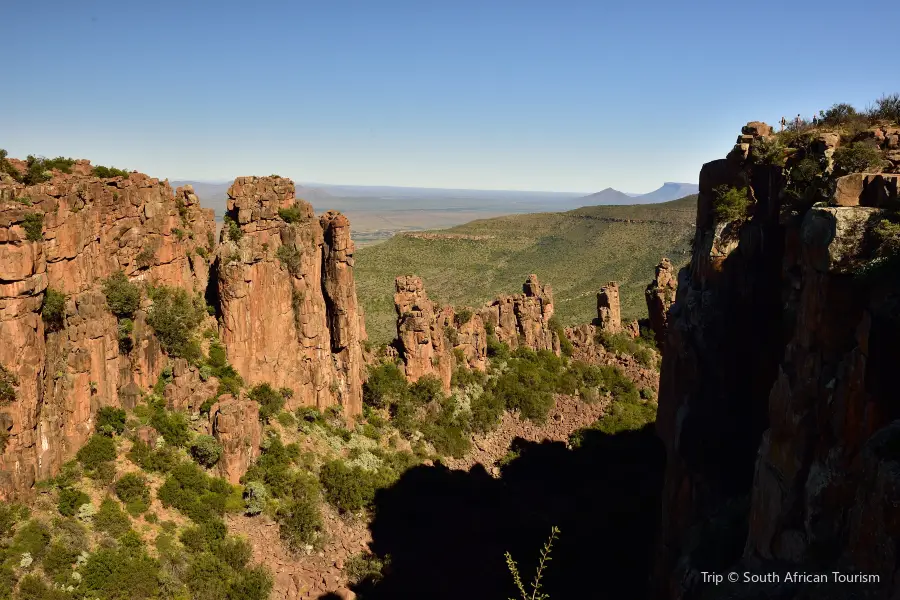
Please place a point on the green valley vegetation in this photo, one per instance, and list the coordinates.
(576, 252)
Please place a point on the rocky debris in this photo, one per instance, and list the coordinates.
(868, 189)
(609, 309)
(302, 575)
(289, 310)
(235, 423)
(89, 229)
(433, 339)
(775, 382)
(660, 295)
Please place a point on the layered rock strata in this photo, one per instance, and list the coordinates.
(660, 294)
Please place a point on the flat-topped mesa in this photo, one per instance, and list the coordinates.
(68, 234)
(609, 308)
(524, 319)
(660, 294)
(290, 315)
(434, 340)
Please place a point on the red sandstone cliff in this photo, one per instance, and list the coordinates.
(288, 301)
(91, 228)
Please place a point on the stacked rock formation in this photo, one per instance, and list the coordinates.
(433, 339)
(609, 309)
(776, 394)
(290, 315)
(68, 234)
(660, 295)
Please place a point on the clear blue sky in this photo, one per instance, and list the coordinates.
(494, 94)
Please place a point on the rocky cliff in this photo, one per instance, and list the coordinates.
(64, 237)
(280, 281)
(776, 403)
(434, 339)
(290, 316)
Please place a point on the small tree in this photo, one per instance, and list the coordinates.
(110, 420)
(53, 311)
(270, 401)
(8, 384)
(206, 450)
(858, 157)
(34, 227)
(730, 204)
(122, 296)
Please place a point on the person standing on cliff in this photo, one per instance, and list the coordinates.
(783, 123)
(798, 121)
(815, 120)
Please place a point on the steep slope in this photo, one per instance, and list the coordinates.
(576, 252)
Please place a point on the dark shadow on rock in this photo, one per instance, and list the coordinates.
(447, 531)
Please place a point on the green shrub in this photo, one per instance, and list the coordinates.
(6, 166)
(626, 416)
(365, 566)
(109, 172)
(175, 317)
(463, 317)
(292, 214)
(110, 420)
(887, 235)
(487, 409)
(69, 501)
(132, 489)
(452, 335)
(350, 488)
(300, 522)
(233, 229)
(200, 497)
(146, 257)
(496, 348)
(32, 537)
(839, 114)
(120, 573)
(767, 151)
(254, 583)
(255, 496)
(161, 460)
(97, 450)
(53, 310)
(464, 376)
(622, 343)
(34, 226)
(385, 385)
(111, 520)
(104, 474)
(174, 427)
(206, 450)
(290, 257)
(59, 560)
(270, 401)
(730, 204)
(426, 389)
(122, 296)
(447, 429)
(124, 330)
(858, 157)
(8, 384)
(887, 108)
(287, 420)
(32, 587)
(528, 384)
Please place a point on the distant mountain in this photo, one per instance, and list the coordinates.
(608, 196)
(669, 191)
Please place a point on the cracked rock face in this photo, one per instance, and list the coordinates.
(90, 229)
(290, 316)
(433, 339)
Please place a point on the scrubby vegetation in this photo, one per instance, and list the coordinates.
(292, 214)
(270, 400)
(233, 229)
(110, 420)
(8, 385)
(730, 204)
(206, 450)
(175, 317)
(33, 223)
(53, 311)
(122, 296)
(858, 157)
(109, 172)
(621, 343)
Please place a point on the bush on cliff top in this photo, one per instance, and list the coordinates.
(175, 316)
(292, 214)
(109, 172)
(858, 157)
(887, 108)
(53, 311)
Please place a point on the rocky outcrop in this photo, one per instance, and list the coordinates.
(868, 189)
(434, 340)
(287, 298)
(775, 397)
(609, 309)
(69, 234)
(524, 319)
(660, 295)
(235, 424)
